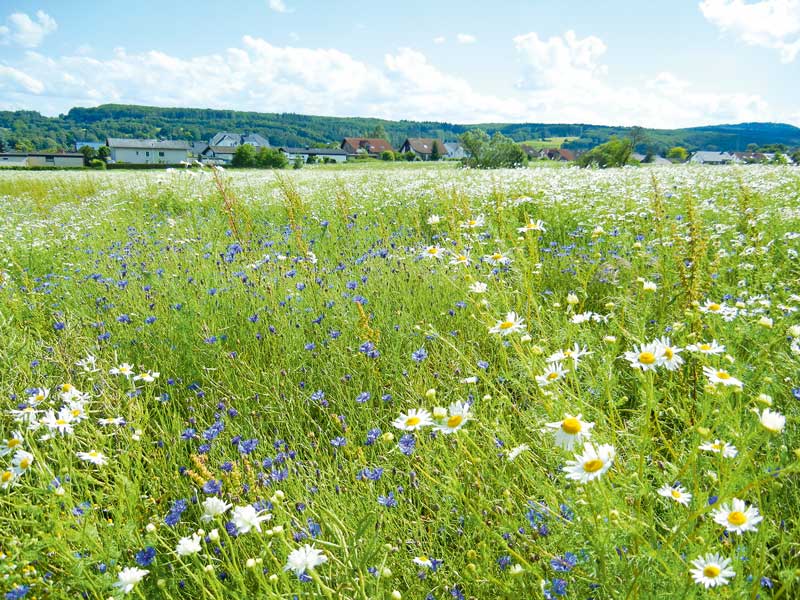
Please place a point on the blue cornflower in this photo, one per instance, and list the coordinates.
(419, 355)
(247, 446)
(407, 444)
(388, 501)
(363, 397)
(503, 562)
(17, 593)
(212, 487)
(565, 564)
(372, 436)
(338, 442)
(144, 558)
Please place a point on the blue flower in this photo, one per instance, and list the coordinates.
(407, 444)
(363, 397)
(247, 446)
(565, 564)
(388, 501)
(17, 593)
(338, 442)
(419, 355)
(144, 558)
(212, 487)
(372, 436)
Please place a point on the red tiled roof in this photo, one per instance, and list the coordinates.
(370, 145)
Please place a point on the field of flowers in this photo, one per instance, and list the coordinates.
(414, 383)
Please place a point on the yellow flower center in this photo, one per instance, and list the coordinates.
(717, 446)
(13, 443)
(454, 421)
(647, 358)
(711, 571)
(714, 306)
(497, 256)
(571, 425)
(676, 494)
(737, 518)
(723, 375)
(431, 250)
(705, 347)
(411, 421)
(93, 453)
(473, 222)
(25, 463)
(506, 324)
(39, 397)
(66, 387)
(551, 376)
(61, 422)
(76, 412)
(590, 466)
(7, 476)
(668, 353)
(422, 558)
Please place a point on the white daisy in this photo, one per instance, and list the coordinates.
(125, 369)
(570, 431)
(711, 347)
(552, 373)
(531, 225)
(478, 287)
(460, 258)
(433, 252)
(719, 447)
(575, 353)
(672, 359)
(513, 323)
(456, 418)
(722, 377)
(12, 444)
(473, 223)
(412, 420)
(497, 258)
(772, 420)
(646, 357)
(675, 492)
(93, 456)
(712, 570)
(593, 463)
(22, 461)
(737, 517)
(516, 451)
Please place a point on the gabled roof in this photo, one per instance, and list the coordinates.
(147, 144)
(314, 151)
(425, 145)
(238, 139)
(220, 149)
(708, 156)
(66, 154)
(370, 145)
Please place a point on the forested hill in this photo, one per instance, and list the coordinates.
(30, 130)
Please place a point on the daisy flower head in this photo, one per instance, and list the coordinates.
(592, 464)
(433, 252)
(716, 308)
(247, 518)
(570, 431)
(93, 456)
(22, 461)
(460, 258)
(737, 517)
(552, 373)
(719, 447)
(474, 222)
(414, 419)
(147, 376)
(531, 225)
(675, 492)
(772, 420)
(129, 577)
(575, 354)
(12, 444)
(722, 377)
(457, 416)
(712, 570)
(434, 219)
(708, 348)
(7, 477)
(37, 396)
(422, 561)
(497, 258)
(304, 559)
(672, 359)
(125, 369)
(26, 414)
(646, 357)
(87, 364)
(512, 323)
(60, 423)
(213, 507)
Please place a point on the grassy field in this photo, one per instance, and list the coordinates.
(551, 142)
(403, 383)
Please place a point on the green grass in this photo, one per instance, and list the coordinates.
(294, 312)
(551, 142)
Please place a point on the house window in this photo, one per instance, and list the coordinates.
(51, 159)
(147, 153)
(161, 154)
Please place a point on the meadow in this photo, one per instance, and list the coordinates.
(402, 383)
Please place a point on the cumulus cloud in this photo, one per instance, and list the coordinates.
(278, 6)
(439, 39)
(770, 23)
(22, 30)
(563, 80)
(466, 38)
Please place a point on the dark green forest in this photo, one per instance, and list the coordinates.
(28, 130)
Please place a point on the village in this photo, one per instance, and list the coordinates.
(221, 149)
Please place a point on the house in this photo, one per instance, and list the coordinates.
(217, 155)
(196, 149)
(655, 159)
(148, 152)
(455, 151)
(557, 154)
(41, 159)
(321, 154)
(233, 140)
(369, 146)
(423, 147)
(703, 157)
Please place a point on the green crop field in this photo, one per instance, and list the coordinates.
(374, 383)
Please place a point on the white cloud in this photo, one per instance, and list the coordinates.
(466, 38)
(26, 32)
(278, 6)
(563, 80)
(439, 39)
(770, 23)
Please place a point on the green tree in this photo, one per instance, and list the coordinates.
(244, 156)
(379, 132)
(678, 154)
(494, 152)
(387, 155)
(89, 154)
(104, 153)
(270, 158)
(614, 153)
(796, 157)
(435, 153)
(298, 162)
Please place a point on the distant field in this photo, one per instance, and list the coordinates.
(403, 382)
(553, 142)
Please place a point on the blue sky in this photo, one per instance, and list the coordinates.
(658, 63)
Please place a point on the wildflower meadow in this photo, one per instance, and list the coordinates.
(423, 383)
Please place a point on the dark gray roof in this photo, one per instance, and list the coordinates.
(328, 151)
(221, 149)
(148, 144)
(238, 139)
(68, 154)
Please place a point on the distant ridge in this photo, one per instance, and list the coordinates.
(195, 124)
